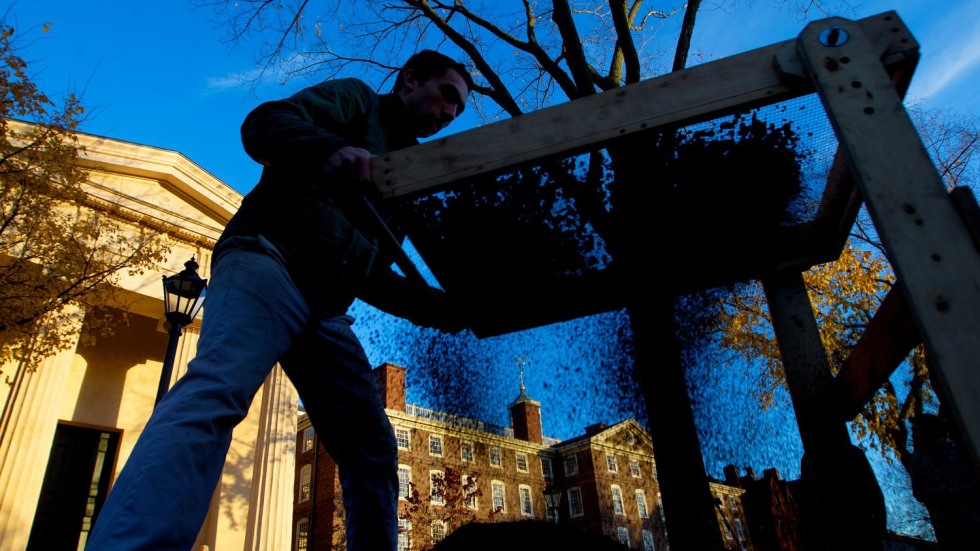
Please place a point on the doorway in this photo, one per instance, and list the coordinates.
(75, 486)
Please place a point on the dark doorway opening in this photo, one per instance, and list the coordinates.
(75, 486)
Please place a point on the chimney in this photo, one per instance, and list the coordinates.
(595, 429)
(525, 417)
(391, 385)
(772, 473)
(731, 475)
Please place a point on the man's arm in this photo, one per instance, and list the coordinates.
(415, 301)
(305, 131)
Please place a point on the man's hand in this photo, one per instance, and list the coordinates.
(441, 313)
(349, 163)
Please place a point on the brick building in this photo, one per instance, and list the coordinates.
(607, 477)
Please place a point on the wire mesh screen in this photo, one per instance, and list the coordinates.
(677, 208)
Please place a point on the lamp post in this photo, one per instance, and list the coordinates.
(183, 297)
(552, 498)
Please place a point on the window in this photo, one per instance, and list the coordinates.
(466, 451)
(653, 470)
(494, 456)
(648, 544)
(470, 491)
(305, 489)
(521, 462)
(497, 491)
(524, 492)
(404, 478)
(571, 465)
(308, 439)
(623, 535)
(617, 497)
(635, 468)
(739, 530)
(404, 527)
(575, 508)
(660, 507)
(546, 467)
(302, 534)
(437, 491)
(611, 463)
(401, 436)
(733, 504)
(438, 531)
(641, 504)
(435, 445)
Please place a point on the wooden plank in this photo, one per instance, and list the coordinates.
(682, 97)
(966, 205)
(924, 237)
(758, 77)
(885, 344)
(849, 504)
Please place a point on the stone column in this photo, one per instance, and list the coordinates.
(270, 515)
(186, 350)
(30, 418)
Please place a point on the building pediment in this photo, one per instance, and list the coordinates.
(159, 186)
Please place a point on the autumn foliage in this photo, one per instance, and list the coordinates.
(61, 252)
(449, 504)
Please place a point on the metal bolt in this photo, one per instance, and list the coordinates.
(833, 37)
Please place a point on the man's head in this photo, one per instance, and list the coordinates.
(434, 88)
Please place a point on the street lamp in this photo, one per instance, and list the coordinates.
(552, 498)
(183, 297)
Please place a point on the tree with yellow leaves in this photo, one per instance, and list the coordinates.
(61, 252)
(450, 503)
(846, 294)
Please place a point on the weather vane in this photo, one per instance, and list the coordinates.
(521, 362)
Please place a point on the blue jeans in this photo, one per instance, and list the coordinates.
(254, 317)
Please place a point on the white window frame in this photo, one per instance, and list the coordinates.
(617, 499)
(399, 431)
(635, 468)
(521, 459)
(641, 504)
(496, 459)
(437, 530)
(471, 499)
(435, 445)
(571, 464)
(575, 501)
(653, 470)
(527, 504)
(623, 535)
(404, 531)
(649, 543)
(739, 529)
(466, 451)
(305, 483)
(660, 507)
(611, 465)
(303, 534)
(435, 498)
(498, 490)
(407, 482)
(308, 438)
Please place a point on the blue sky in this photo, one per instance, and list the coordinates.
(156, 72)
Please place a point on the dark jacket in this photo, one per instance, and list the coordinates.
(330, 247)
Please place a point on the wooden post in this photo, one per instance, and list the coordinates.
(926, 240)
(843, 501)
